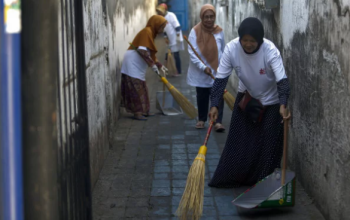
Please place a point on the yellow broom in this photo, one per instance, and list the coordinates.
(170, 64)
(229, 99)
(181, 100)
(191, 204)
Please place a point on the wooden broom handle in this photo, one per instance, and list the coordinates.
(195, 52)
(208, 133)
(285, 146)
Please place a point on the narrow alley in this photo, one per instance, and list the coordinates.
(70, 151)
(145, 173)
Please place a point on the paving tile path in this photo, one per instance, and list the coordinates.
(145, 173)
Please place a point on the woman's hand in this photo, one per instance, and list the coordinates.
(166, 40)
(213, 114)
(155, 68)
(207, 71)
(284, 112)
(165, 70)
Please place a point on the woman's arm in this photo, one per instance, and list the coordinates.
(276, 63)
(217, 91)
(283, 91)
(144, 52)
(146, 55)
(283, 95)
(225, 68)
(176, 24)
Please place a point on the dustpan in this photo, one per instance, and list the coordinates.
(275, 190)
(167, 104)
(269, 193)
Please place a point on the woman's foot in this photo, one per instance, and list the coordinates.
(200, 125)
(140, 117)
(219, 127)
(149, 114)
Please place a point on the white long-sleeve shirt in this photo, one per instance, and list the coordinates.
(258, 73)
(195, 75)
(134, 65)
(170, 30)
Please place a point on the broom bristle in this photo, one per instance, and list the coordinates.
(171, 64)
(191, 204)
(229, 99)
(183, 102)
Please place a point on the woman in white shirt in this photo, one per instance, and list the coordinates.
(133, 87)
(255, 142)
(208, 41)
(172, 34)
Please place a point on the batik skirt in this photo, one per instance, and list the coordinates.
(135, 97)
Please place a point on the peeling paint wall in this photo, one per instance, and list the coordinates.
(109, 26)
(314, 39)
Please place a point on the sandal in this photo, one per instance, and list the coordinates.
(219, 127)
(200, 125)
(149, 114)
(140, 118)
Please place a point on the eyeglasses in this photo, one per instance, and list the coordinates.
(209, 17)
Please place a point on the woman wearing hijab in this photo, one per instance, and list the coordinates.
(208, 41)
(254, 144)
(134, 89)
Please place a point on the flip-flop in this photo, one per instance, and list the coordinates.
(200, 125)
(140, 119)
(149, 115)
(219, 128)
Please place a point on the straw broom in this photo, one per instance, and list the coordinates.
(181, 100)
(229, 99)
(171, 65)
(191, 204)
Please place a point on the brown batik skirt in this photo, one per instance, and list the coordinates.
(135, 95)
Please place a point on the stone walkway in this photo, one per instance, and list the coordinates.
(145, 173)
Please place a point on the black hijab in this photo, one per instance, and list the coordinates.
(253, 27)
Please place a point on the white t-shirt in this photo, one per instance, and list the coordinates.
(258, 73)
(195, 75)
(134, 65)
(174, 45)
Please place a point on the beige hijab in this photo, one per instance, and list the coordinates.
(206, 40)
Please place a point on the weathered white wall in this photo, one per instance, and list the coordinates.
(109, 26)
(314, 39)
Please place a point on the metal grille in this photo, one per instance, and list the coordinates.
(74, 189)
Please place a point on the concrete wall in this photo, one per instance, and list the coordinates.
(314, 39)
(109, 26)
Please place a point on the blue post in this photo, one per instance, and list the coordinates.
(10, 117)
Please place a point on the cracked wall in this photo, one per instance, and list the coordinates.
(314, 39)
(109, 26)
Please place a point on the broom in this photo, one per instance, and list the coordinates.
(181, 100)
(171, 65)
(191, 204)
(229, 99)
